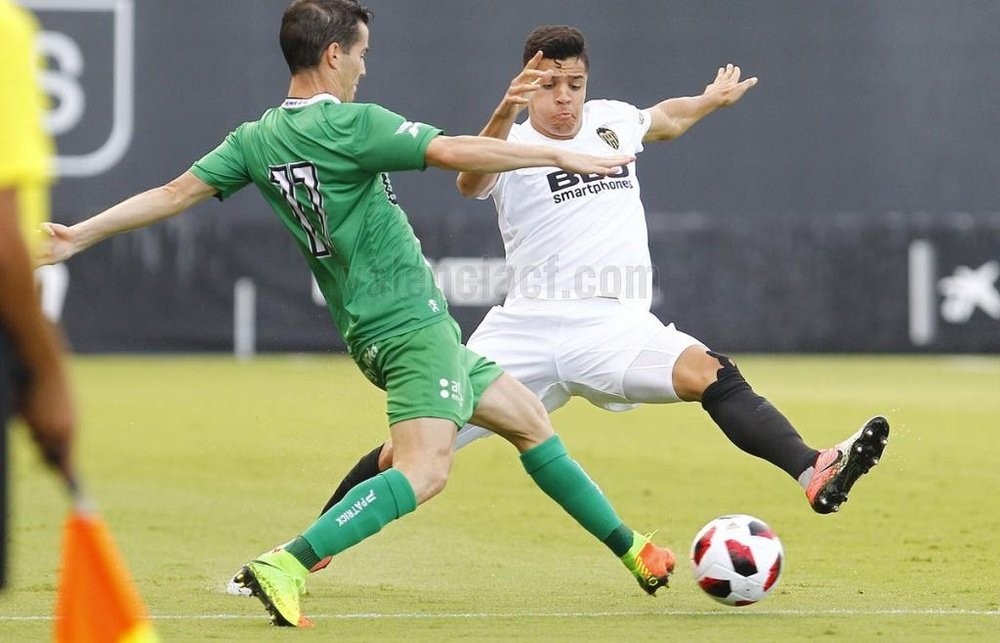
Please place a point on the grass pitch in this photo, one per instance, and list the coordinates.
(200, 463)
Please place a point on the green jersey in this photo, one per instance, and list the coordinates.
(321, 165)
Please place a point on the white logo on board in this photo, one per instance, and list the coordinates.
(64, 80)
(967, 289)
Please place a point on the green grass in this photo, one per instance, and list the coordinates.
(201, 463)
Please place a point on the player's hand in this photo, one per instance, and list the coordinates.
(587, 164)
(727, 88)
(58, 244)
(529, 80)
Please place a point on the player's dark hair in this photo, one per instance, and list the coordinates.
(309, 27)
(556, 42)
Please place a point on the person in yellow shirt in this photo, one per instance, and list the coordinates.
(33, 382)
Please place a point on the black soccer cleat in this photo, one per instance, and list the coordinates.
(837, 469)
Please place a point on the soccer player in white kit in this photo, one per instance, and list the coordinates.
(576, 319)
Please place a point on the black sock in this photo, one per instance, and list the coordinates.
(752, 423)
(366, 468)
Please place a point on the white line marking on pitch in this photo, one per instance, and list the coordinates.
(505, 615)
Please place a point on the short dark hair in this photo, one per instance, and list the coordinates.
(556, 42)
(308, 27)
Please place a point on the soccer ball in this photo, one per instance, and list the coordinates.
(737, 559)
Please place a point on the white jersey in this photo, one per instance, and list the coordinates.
(569, 236)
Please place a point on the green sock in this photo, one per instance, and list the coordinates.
(620, 540)
(559, 476)
(365, 509)
(303, 552)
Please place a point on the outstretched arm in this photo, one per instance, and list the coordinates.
(674, 116)
(480, 154)
(136, 212)
(472, 184)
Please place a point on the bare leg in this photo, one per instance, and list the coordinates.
(423, 450)
(513, 412)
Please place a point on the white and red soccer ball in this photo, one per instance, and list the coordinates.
(737, 559)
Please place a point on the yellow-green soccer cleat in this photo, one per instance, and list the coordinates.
(651, 565)
(277, 580)
(234, 588)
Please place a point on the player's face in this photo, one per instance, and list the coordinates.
(351, 66)
(556, 109)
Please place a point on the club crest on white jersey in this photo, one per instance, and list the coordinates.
(608, 136)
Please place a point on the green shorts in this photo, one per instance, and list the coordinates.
(428, 373)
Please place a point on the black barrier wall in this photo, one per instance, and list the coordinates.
(848, 203)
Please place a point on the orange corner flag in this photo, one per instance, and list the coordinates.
(97, 601)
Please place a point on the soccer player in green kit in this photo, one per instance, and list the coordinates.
(320, 160)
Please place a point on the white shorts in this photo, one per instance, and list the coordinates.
(583, 348)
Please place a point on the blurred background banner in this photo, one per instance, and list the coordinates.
(850, 203)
